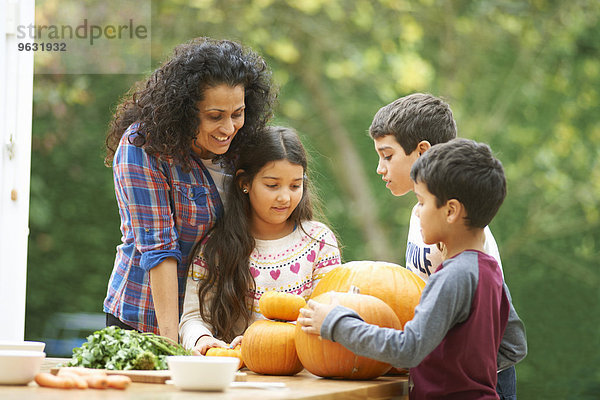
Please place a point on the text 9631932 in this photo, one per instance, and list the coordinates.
(42, 46)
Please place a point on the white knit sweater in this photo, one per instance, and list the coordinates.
(292, 264)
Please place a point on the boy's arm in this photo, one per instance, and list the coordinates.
(513, 347)
(446, 301)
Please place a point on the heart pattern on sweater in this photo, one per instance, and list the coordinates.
(311, 257)
(275, 274)
(254, 272)
(295, 268)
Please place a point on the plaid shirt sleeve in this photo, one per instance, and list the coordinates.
(143, 197)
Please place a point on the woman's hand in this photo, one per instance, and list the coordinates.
(312, 316)
(206, 342)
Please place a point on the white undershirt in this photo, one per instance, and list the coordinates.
(221, 179)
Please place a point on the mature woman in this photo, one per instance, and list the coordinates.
(171, 143)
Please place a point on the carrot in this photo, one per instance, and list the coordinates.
(119, 381)
(97, 381)
(46, 379)
(77, 375)
(79, 382)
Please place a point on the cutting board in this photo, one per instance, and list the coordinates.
(142, 376)
(135, 375)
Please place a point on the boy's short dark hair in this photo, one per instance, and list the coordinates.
(414, 118)
(465, 170)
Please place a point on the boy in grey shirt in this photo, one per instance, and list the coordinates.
(465, 328)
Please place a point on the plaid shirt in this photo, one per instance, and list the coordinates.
(164, 212)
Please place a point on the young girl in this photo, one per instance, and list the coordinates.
(267, 240)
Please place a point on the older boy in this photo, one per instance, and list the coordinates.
(402, 131)
(465, 327)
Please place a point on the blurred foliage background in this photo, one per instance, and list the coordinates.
(522, 76)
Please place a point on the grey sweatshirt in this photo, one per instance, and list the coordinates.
(445, 302)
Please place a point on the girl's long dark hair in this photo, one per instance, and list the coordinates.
(164, 105)
(224, 293)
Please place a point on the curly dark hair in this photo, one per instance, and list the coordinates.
(165, 108)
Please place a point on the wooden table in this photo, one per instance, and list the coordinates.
(301, 386)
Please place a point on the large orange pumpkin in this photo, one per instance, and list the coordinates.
(397, 286)
(280, 305)
(328, 359)
(268, 348)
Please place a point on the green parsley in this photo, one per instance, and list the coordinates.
(119, 349)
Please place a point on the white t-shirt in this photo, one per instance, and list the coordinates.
(219, 177)
(423, 259)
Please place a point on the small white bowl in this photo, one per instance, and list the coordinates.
(19, 367)
(22, 345)
(202, 373)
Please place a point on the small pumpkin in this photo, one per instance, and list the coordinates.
(280, 305)
(399, 287)
(268, 348)
(325, 358)
(227, 352)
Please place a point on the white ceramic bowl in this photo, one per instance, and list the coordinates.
(202, 373)
(18, 367)
(22, 345)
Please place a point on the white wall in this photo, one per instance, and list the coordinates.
(16, 93)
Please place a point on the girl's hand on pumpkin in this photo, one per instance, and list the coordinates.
(313, 315)
(236, 341)
(206, 342)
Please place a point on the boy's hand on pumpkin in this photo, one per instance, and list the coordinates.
(312, 316)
